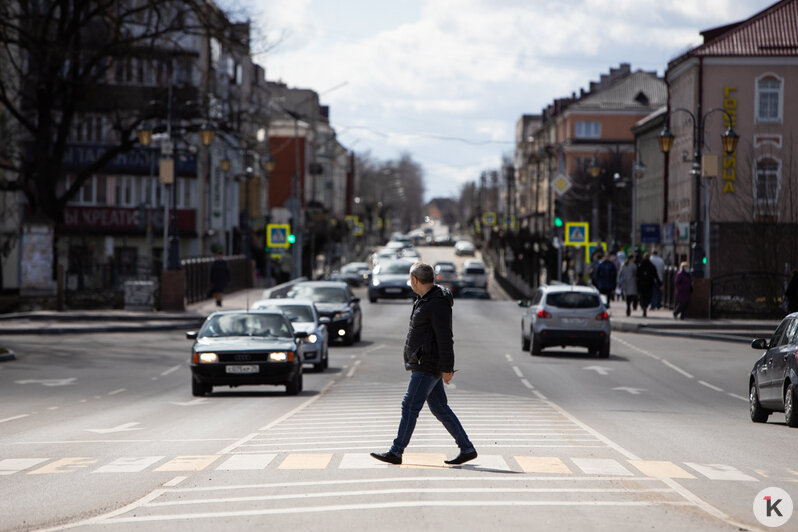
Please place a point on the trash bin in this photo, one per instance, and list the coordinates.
(139, 295)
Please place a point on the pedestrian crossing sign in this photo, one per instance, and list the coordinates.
(489, 218)
(591, 247)
(358, 229)
(576, 233)
(277, 235)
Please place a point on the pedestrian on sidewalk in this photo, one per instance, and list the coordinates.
(220, 276)
(791, 293)
(606, 278)
(683, 286)
(646, 279)
(627, 282)
(659, 264)
(429, 356)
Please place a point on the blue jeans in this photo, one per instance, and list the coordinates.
(425, 387)
(656, 297)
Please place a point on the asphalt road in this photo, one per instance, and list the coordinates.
(101, 432)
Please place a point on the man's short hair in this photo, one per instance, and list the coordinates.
(423, 273)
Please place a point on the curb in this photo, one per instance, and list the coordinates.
(639, 328)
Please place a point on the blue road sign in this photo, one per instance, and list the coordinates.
(277, 235)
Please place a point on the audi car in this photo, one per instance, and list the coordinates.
(335, 301)
(391, 280)
(241, 348)
(773, 384)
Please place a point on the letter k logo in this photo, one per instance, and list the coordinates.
(772, 506)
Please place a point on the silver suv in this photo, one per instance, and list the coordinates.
(565, 315)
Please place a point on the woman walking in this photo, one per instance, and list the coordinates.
(683, 285)
(627, 282)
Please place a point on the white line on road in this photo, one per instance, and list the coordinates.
(517, 371)
(509, 357)
(12, 418)
(740, 397)
(120, 390)
(677, 369)
(354, 368)
(174, 482)
(171, 370)
(710, 386)
(527, 384)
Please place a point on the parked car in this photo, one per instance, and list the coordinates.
(464, 247)
(445, 273)
(773, 384)
(411, 254)
(474, 275)
(353, 273)
(240, 348)
(565, 315)
(391, 280)
(336, 301)
(304, 317)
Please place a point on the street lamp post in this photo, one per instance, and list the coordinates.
(639, 171)
(729, 140)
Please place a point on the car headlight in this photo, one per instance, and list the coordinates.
(208, 358)
(281, 356)
(312, 339)
(375, 282)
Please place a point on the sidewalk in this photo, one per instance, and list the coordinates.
(658, 322)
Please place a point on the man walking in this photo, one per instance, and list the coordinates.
(659, 265)
(607, 278)
(429, 356)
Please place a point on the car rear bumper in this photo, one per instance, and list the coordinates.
(271, 373)
(578, 338)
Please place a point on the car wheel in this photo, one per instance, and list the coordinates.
(295, 386)
(535, 348)
(199, 389)
(318, 367)
(524, 341)
(758, 414)
(791, 405)
(604, 349)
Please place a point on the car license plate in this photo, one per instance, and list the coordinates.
(393, 290)
(241, 369)
(573, 321)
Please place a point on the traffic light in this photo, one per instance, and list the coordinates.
(558, 218)
(291, 238)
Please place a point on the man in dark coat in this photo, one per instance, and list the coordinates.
(220, 276)
(607, 278)
(429, 356)
(646, 279)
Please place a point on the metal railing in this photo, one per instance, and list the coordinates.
(198, 276)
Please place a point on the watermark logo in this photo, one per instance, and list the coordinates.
(772, 507)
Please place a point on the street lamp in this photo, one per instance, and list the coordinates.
(729, 140)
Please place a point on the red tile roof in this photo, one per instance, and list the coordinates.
(772, 32)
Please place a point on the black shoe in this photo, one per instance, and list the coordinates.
(388, 457)
(462, 458)
(218, 303)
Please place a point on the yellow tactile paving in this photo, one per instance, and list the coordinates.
(411, 460)
(64, 465)
(189, 463)
(306, 461)
(542, 464)
(654, 468)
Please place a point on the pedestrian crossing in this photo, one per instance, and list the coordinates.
(552, 465)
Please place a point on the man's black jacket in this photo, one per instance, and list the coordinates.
(429, 346)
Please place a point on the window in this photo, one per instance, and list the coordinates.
(125, 195)
(767, 182)
(769, 89)
(588, 130)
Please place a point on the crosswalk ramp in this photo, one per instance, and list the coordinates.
(529, 464)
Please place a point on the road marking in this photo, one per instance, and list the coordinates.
(601, 370)
(527, 384)
(306, 461)
(660, 469)
(189, 463)
(193, 402)
(132, 464)
(601, 466)
(237, 444)
(49, 382)
(361, 461)
(353, 369)
(517, 371)
(64, 465)
(9, 466)
(298, 409)
(677, 369)
(423, 460)
(174, 482)
(542, 464)
(242, 462)
(633, 391)
(12, 418)
(171, 370)
(720, 472)
(710, 386)
(119, 428)
(120, 390)
(509, 357)
(737, 396)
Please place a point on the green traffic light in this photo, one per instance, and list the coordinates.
(558, 222)
(291, 239)
(704, 260)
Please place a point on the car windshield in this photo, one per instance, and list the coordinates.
(573, 300)
(295, 313)
(321, 294)
(445, 268)
(394, 268)
(249, 324)
(475, 270)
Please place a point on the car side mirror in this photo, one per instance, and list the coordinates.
(760, 343)
(355, 300)
(300, 334)
(524, 303)
(191, 335)
(324, 320)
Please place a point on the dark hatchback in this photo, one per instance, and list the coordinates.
(241, 348)
(336, 301)
(773, 384)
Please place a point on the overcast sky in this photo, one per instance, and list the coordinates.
(446, 80)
